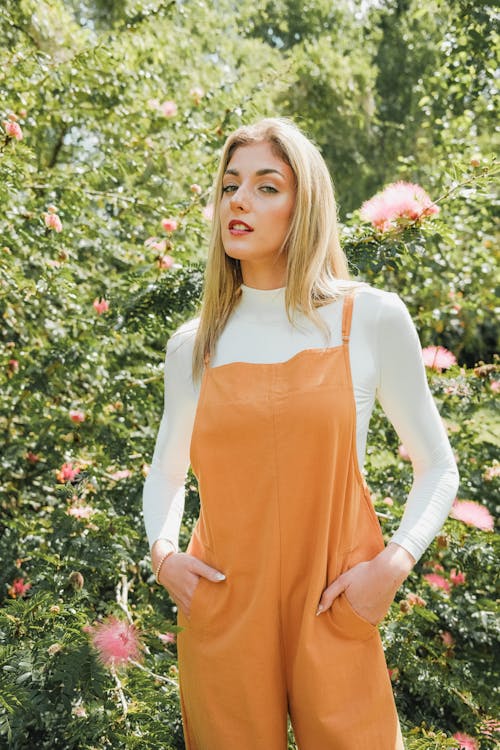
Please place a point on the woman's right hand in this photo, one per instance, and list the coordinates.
(180, 574)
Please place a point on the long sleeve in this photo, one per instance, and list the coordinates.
(405, 397)
(163, 495)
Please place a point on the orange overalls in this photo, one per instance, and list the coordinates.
(284, 511)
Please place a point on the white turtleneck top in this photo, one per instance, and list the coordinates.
(386, 363)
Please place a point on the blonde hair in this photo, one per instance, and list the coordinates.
(315, 260)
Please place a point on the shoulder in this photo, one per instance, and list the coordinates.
(379, 307)
(181, 343)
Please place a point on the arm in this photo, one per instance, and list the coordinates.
(404, 394)
(163, 495)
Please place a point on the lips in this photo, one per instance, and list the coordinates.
(237, 226)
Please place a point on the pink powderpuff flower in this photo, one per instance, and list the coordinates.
(115, 641)
(195, 189)
(52, 221)
(76, 415)
(397, 200)
(168, 108)
(18, 588)
(80, 511)
(492, 472)
(414, 600)
(156, 244)
(437, 581)
(167, 637)
(447, 639)
(165, 261)
(67, 473)
(208, 212)
(100, 305)
(169, 225)
(388, 501)
(13, 365)
(13, 129)
(466, 742)
(197, 94)
(403, 453)
(121, 474)
(438, 358)
(495, 386)
(473, 514)
(457, 578)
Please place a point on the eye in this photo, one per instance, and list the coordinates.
(229, 188)
(268, 189)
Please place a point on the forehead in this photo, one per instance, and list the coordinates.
(255, 156)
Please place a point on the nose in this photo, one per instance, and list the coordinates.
(239, 200)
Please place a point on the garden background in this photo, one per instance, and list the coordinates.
(113, 115)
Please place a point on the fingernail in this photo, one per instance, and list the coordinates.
(319, 610)
(220, 577)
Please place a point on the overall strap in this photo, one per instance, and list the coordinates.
(347, 317)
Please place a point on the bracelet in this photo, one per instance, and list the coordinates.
(159, 566)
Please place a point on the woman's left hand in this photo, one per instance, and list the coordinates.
(371, 586)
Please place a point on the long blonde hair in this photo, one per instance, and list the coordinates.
(315, 260)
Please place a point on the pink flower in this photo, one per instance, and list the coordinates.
(167, 637)
(388, 501)
(492, 472)
(67, 473)
(438, 358)
(473, 514)
(115, 641)
(13, 365)
(466, 742)
(208, 212)
(121, 474)
(447, 639)
(169, 225)
(195, 189)
(33, 458)
(18, 588)
(403, 453)
(437, 581)
(76, 415)
(457, 577)
(13, 129)
(397, 200)
(80, 511)
(168, 108)
(415, 600)
(52, 221)
(495, 386)
(156, 244)
(165, 261)
(101, 306)
(197, 94)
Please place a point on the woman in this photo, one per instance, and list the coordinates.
(268, 395)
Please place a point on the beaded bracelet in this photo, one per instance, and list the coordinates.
(159, 566)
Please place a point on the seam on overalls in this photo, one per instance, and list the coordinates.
(272, 403)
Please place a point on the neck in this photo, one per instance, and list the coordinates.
(263, 277)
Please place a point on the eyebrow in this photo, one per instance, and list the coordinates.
(259, 172)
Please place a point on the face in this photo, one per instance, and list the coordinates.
(256, 209)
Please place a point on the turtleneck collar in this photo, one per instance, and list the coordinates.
(262, 304)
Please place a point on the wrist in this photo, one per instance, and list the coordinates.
(396, 561)
(159, 548)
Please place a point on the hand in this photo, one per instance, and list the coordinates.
(180, 574)
(370, 586)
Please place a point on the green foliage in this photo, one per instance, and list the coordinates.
(84, 388)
